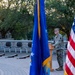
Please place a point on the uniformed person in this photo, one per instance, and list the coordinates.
(58, 44)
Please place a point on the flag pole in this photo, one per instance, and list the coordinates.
(38, 8)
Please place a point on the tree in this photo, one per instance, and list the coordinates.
(60, 13)
(16, 16)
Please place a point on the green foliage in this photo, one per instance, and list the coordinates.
(17, 20)
(60, 13)
(16, 16)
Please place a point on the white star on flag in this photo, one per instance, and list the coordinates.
(32, 45)
(46, 30)
(32, 54)
(30, 64)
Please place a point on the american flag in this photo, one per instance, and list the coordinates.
(70, 57)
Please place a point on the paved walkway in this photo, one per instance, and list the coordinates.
(13, 66)
(55, 65)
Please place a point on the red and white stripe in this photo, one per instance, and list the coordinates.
(70, 57)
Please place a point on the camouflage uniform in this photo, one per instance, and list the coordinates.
(58, 43)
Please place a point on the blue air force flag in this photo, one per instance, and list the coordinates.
(40, 56)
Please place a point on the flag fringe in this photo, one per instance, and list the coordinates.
(46, 61)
